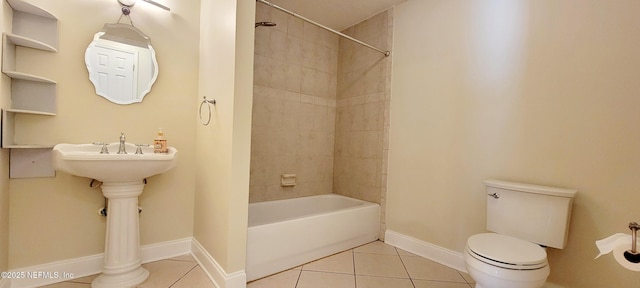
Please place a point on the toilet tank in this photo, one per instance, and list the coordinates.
(537, 214)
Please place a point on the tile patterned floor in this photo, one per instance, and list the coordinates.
(178, 272)
(374, 265)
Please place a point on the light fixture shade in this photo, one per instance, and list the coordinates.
(130, 3)
(127, 3)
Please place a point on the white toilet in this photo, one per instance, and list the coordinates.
(523, 217)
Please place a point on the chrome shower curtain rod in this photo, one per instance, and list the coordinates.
(386, 53)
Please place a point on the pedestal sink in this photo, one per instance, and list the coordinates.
(122, 177)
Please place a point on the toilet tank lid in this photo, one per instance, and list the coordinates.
(530, 188)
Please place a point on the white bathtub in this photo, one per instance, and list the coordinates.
(287, 233)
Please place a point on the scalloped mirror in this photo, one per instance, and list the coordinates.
(122, 64)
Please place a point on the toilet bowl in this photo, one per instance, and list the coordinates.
(522, 217)
(500, 261)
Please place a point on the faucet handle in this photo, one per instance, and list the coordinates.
(104, 149)
(139, 148)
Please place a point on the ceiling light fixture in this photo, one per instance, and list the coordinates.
(127, 4)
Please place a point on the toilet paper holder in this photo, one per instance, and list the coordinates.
(633, 255)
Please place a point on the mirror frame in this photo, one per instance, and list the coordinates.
(137, 39)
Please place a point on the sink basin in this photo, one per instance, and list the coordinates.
(85, 160)
(122, 182)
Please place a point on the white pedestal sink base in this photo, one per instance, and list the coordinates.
(122, 176)
(122, 262)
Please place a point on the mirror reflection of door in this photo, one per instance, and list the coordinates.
(121, 63)
(115, 68)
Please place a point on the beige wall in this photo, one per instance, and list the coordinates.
(542, 92)
(56, 218)
(295, 106)
(5, 101)
(223, 147)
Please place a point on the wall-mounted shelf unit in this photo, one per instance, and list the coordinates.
(8, 128)
(31, 95)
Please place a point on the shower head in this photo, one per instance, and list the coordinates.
(266, 24)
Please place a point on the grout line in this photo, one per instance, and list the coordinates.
(298, 280)
(353, 258)
(338, 273)
(185, 274)
(405, 267)
(330, 272)
(465, 279)
(386, 277)
(178, 260)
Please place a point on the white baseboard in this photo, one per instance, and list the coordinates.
(427, 250)
(65, 270)
(164, 250)
(213, 270)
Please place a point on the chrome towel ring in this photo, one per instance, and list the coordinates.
(206, 121)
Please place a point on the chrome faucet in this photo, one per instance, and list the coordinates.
(104, 149)
(121, 149)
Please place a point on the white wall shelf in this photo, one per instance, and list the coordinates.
(8, 128)
(30, 43)
(34, 23)
(28, 77)
(33, 28)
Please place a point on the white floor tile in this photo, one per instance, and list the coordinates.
(405, 253)
(166, 272)
(286, 279)
(196, 278)
(312, 279)
(68, 285)
(382, 282)
(338, 263)
(87, 279)
(379, 265)
(436, 284)
(377, 247)
(424, 269)
(467, 277)
(185, 257)
(374, 265)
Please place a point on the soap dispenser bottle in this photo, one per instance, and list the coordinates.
(160, 143)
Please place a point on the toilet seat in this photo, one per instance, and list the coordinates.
(506, 252)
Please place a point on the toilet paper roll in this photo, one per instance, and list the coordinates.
(618, 244)
(618, 254)
(607, 245)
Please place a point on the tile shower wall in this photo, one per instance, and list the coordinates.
(362, 111)
(362, 119)
(320, 109)
(294, 107)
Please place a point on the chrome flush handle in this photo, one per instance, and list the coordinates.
(494, 195)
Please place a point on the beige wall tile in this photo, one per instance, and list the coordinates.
(324, 128)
